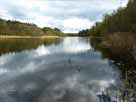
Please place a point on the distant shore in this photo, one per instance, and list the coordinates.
(16, 36)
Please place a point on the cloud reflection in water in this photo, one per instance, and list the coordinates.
(45, 74)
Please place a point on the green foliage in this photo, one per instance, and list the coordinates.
(122, 20)
(84, 32)
(71, 34)
(22, 29)
(51, 31)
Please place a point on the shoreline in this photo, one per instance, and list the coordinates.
(36, 37)
(26, 37)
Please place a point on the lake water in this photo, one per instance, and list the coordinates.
(66, 70)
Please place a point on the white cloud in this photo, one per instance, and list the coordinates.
(76, 24)
(69, 16)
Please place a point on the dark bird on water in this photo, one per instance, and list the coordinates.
(78, 69)
(69, 60)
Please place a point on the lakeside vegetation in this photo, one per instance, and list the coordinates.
(71, 34)
(125, 62)
(115, 37)
(122, 20)
(8, 27)
(118, 31)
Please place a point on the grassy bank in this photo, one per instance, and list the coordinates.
(120, 40)
(120, 49)
(26, 36)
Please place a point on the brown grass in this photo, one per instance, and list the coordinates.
(14, 36)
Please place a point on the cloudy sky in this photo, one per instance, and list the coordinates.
(67, 15)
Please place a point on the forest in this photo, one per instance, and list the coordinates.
(122, 20)
(8, 27)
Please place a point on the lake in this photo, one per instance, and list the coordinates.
(56, 70)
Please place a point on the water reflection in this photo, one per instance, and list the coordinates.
(21, 44)
(66, 46)
(124, 60)
(51, 73)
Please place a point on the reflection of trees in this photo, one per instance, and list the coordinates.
(123, 59)
(17, 45)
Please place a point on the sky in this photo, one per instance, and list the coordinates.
(67, 15)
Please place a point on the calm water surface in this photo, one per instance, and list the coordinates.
(67, 71)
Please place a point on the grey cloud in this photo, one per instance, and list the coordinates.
(17, 13)
(92, 10)
(64, 10)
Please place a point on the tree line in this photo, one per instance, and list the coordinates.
(8, 27)
(122, 20)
